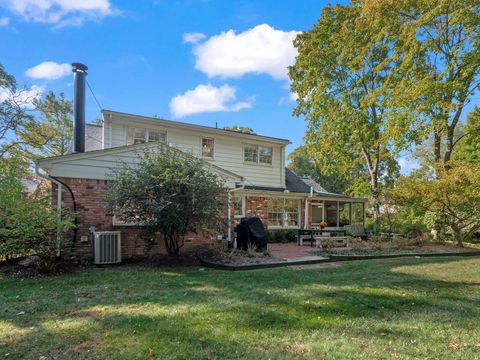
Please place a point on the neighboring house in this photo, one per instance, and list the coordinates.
(253, 167)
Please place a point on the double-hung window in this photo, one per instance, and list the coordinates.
(136, 135)
(208, 147)
(283, 212)
(257, 154)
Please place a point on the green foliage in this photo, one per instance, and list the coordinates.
(50, 134)
(28, 225)
(468, 143)
(13, 114)
(302, 163)
(169, 192)
(438, 51)
(282, 236)
(344, 78)
(241, 129)
(11, 186)
(449, 201)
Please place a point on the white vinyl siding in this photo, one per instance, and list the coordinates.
(228, 150)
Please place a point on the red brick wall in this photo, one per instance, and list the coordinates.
(89, 195)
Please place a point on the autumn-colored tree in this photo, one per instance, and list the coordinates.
(451, 197)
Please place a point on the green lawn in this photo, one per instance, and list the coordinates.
(381, 309)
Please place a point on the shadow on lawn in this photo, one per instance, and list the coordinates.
(214, 304)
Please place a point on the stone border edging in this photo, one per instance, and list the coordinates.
(264, 265)
(334, 258)
(330, 258)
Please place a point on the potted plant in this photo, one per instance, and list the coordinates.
(322, 224)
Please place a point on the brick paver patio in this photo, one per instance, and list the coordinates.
(290, 250)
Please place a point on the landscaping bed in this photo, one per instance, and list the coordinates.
(396, 246)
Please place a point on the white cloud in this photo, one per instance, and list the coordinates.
(23, 97)
(4, 21)
(207, 98)
(193, 37)
(59, 12)
(49, 70)
(260, 50)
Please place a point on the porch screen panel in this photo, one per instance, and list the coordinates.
(331, 213)
(344, 214)
(357, 214)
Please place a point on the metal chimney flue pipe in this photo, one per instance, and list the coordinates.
(79, 74)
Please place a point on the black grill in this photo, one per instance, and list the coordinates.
(251, 231)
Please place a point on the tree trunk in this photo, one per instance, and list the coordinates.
(437, 141)
(172, 244)
(458, 235)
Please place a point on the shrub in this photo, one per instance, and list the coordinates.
(30, 227)
(171, 193)
(282, 236)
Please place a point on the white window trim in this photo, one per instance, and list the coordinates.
(243, 207)
(117, 222)
(256, 163)
(147, 133)
(299, 209)
(201, 148)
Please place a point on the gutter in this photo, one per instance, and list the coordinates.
(59, 184)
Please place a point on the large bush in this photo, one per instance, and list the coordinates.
(169, 192)
(28, 224)
(448, 200)
(31, 227)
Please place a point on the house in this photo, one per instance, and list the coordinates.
(252, 166)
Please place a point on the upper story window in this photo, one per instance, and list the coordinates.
(257, 154)
(265, 155)
(208, 147)
(142, 135)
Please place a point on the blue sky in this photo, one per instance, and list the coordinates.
(205, 62)
(144, 54)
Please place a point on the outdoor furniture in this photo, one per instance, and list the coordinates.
(356, 231)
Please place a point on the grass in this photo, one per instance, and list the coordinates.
(398, 308)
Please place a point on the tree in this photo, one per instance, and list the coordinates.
(241, 129)
(168, 192)
(439, 43)
(343, 76)
(450, 197)
(13, 112)
(468, 141)
(51, 133)
(302, 164)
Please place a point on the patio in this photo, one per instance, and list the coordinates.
(290, 250)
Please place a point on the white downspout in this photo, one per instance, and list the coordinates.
(229, 209)
(59, 203)
(305, 225)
